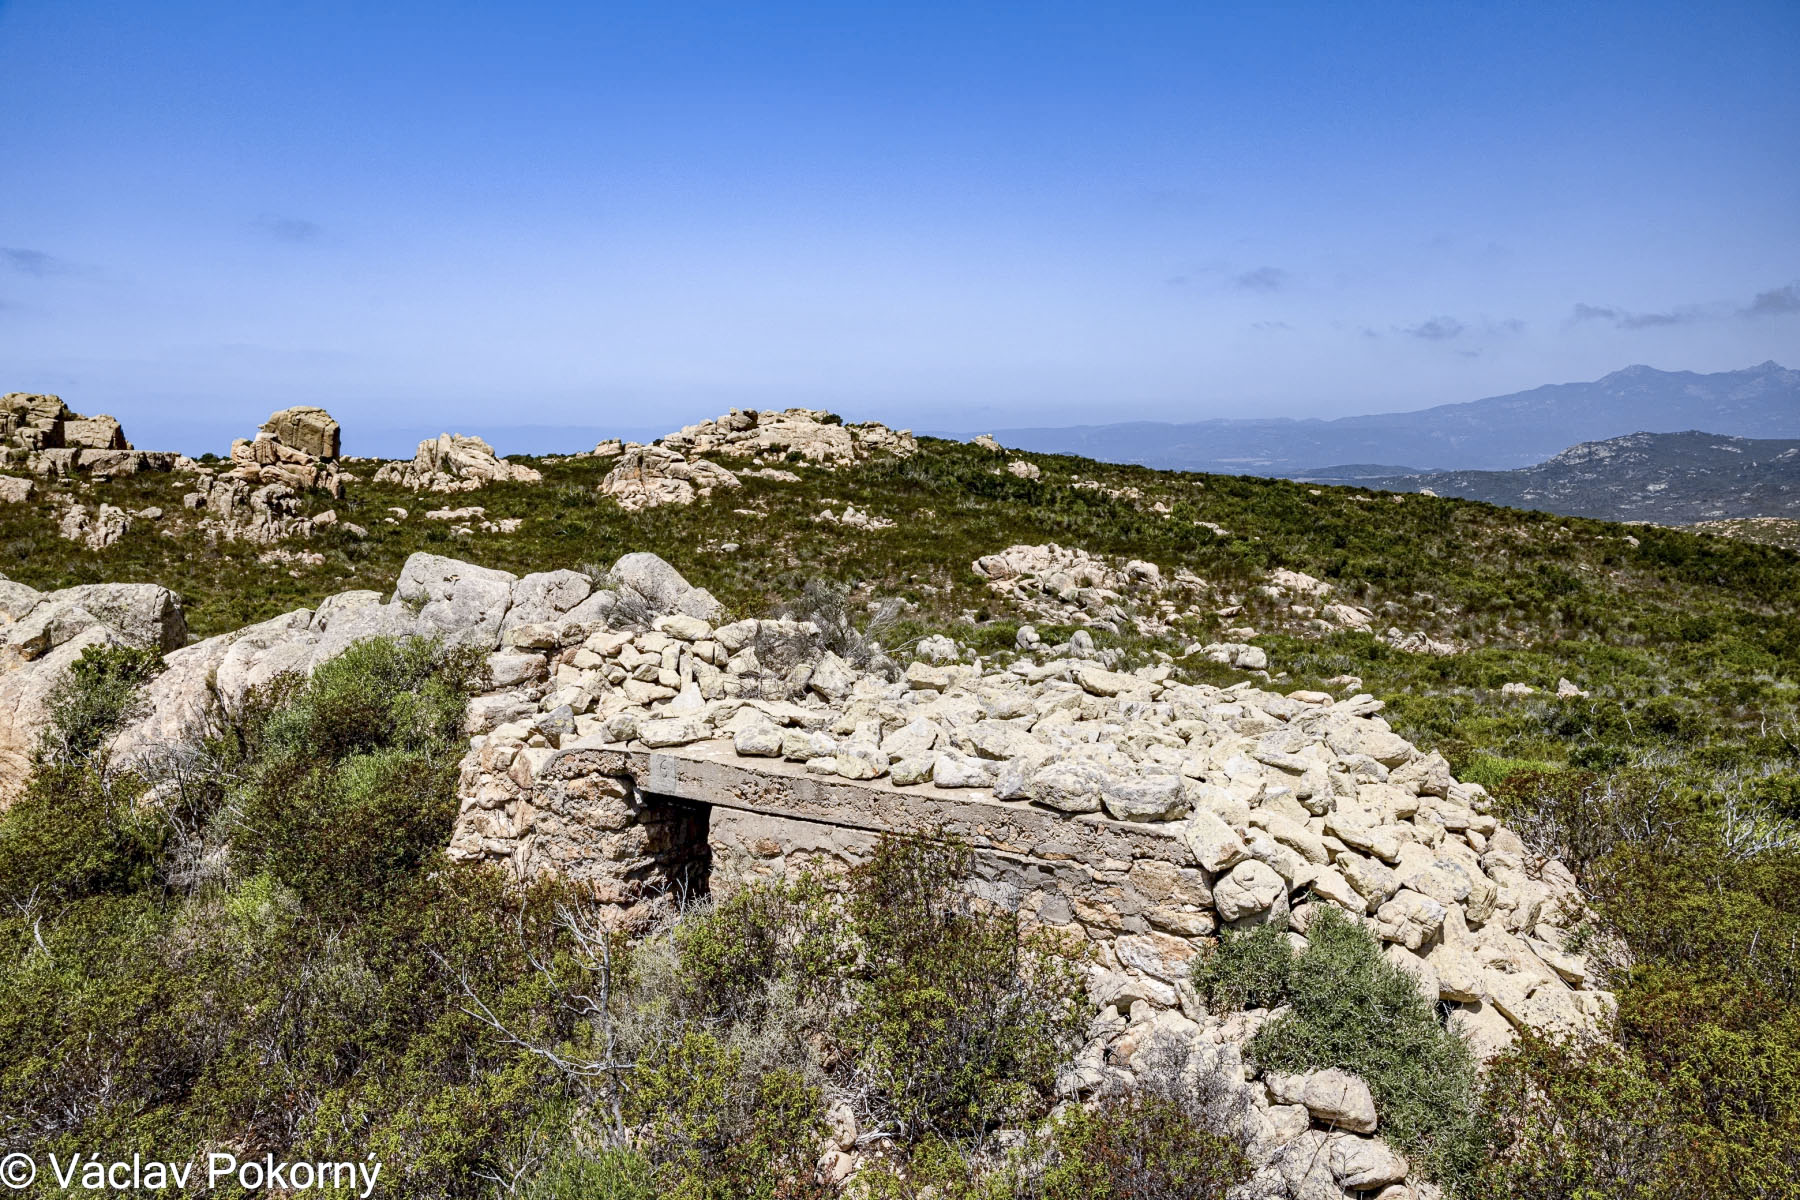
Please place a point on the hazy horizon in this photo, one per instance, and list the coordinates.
(472, 217)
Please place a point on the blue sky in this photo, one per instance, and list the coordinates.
(485, 216)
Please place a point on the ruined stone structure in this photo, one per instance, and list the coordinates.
(629, 743)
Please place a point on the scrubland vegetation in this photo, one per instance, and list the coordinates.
(274, 955)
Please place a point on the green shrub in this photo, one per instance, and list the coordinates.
(1563, 1121)
(99, 694)
(351, 783)
(77, 829)
(1246, 970)
(959, 1021)
(716, 1131)
(776, 932)
(605, 1174)
(1352, 1009)
(73, 835)
(1139, 1147)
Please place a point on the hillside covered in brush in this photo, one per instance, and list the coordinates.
(1630, 697)
(1668, 478)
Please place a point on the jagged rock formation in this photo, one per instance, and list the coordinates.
(311, 431)
(31, 422)
(42, 633)
(672, 471)
(454, 462)
(237, 510)
(261, 496)
(296, 447)
(814, 434)
(97, 529)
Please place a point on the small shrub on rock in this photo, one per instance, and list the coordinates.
(101, 693)
(1349, 1008)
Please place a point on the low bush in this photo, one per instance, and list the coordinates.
(349, 783)
(1246, 970)
(1138, 1146)
(604, 1174)
(716, 1130)
(1567, 1121)
(958, 1020)
(1349, 1008)
(100, 693)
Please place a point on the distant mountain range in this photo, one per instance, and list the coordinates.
(1669, 478)
(1497, 434)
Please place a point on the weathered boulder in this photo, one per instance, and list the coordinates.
(42, 634)
(661, 586)
(310, 430)
(463, 603)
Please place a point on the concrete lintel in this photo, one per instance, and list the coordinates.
(712, 773)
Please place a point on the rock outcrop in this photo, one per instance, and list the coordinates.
(42, 435)
(42, 633)
(814, 434)
(454, 462)
(673, 469)
(1069, 585)
(32, 422)
(650, 476)
(96, 529)
(309, 430)
(296, 447)
(236, 509)
(261, 496)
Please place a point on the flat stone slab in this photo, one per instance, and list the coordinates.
(711, 772)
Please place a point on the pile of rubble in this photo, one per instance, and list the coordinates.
(1072, 586)
(454, 462)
